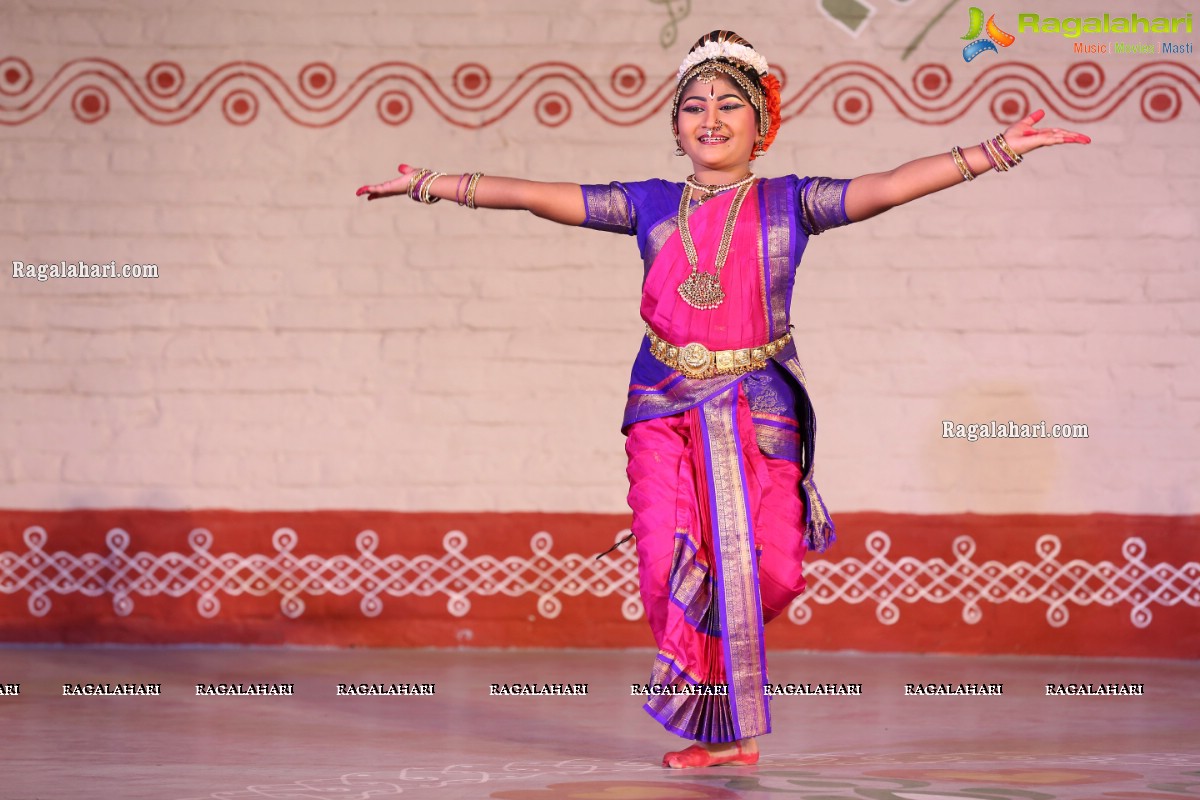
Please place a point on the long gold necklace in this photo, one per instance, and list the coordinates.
(702, 290)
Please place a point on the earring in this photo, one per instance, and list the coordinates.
(758, 149)
(679, 148)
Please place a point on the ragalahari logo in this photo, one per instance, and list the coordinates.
(995, 36)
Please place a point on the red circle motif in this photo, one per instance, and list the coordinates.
(1084, 79)
(1009, 105)
(931, 81)
(1161, 103)
(17, 76)
(472, 80)
(552, 109)
(90, 104)
(240, 107)
(394, 108)
(853, 106)
(164, 78)
(628, 80)
(317, 79)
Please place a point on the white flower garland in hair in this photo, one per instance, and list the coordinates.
(736, 52)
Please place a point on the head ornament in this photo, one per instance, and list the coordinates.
(726, 53)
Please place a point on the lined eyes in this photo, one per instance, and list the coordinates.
(699, 109)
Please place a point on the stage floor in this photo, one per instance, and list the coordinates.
(464, 742)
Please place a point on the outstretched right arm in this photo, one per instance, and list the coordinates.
(558, 202)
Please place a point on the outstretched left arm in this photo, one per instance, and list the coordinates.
(868, 195)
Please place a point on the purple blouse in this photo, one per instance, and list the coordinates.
(791, 209)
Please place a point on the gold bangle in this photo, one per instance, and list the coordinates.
(414, 180)
(961, 163)
(998, 160)
(426, 187)
(472, 185)
(1000, 140)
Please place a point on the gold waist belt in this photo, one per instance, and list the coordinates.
(697, 361)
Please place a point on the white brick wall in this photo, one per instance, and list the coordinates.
(302, 349)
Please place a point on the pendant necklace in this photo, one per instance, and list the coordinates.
(702, 290)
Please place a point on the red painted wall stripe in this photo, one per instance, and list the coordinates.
(1096, 584)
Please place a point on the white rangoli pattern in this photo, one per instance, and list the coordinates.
(882, 579)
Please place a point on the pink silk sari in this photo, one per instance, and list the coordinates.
(719, 526)
(740, 321)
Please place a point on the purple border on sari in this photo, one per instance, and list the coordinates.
(779, 235)
(770, 423)
(705, 718)
(720, 573)
(754, 556)
(663, 386)
(764, 239)
(704, 626)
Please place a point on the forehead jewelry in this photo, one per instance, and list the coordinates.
(708, 71)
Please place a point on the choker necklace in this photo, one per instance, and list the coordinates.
(709, 190)
(702, 290)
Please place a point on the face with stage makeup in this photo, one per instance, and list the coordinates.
(717, 125)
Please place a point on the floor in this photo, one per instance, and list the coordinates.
(464, 743)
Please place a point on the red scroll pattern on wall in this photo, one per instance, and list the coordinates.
(551, 91)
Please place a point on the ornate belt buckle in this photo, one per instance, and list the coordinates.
(695, 360)
(725, 361)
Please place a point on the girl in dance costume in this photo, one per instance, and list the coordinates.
(719, 425)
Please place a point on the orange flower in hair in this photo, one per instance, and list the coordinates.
(773, 102)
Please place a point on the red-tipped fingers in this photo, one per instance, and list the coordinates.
(362, 190)
(1082, 138)
(404, 168)
(1036, 116)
